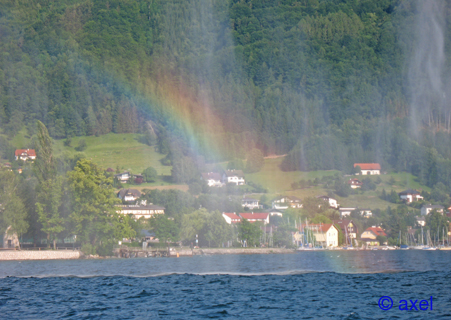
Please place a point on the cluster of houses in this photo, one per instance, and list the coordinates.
(137, 209)
(215, 179)
(125, 176)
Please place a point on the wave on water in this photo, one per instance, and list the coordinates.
(237, 274)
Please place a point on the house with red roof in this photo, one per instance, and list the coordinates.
(231, 218)
(368, 168)
(25, 154)
(256, 216)
(369, 236)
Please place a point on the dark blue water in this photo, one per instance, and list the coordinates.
(310, 285)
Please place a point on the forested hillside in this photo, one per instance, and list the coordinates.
(331, 82)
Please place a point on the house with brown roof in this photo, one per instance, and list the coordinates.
(213, 179)
(355, 183)
(332, 202)
(25, 154)
(369, 236)
(368, 168)
(231, 218)
(256, 216)
(123, 177)
(285, 202)
(410, 195)
(129, 194)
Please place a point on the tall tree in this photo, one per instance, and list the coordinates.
(13, 215)
(49, 190)
(94, 216)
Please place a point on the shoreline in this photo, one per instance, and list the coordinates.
(221, 251)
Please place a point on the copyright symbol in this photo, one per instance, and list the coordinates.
(385, 303)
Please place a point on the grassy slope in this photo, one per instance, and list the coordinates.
(126, 151)
(279, 182)
(123, 150)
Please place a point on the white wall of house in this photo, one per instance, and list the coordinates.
(330, 238)
(239, 181)
(427, 209)
(411, 197)
(370, 172)
(250, 204)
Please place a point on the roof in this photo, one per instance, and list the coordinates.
(434, 206)
(409, 191)
(254, 215)
(120, 174)
(232, 216)
(211, 176)
(232, 173)
(319, 227)
(343, 224)
(141, 207)
(133, 192)
(325, 198)
(378, 231)
(289, 198)
(29, 152)
(249, 199)
(368, 166)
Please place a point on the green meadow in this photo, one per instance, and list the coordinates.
(126, 152)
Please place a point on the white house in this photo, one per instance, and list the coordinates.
(366, 213)
(425, 210)
(282, 203)
(250, 203)
(325, 234)
(231, 218)
(256, 216)
(274, 212)
(213, 179)
(123, 177)
(130, 195)
(369, 168)
(344, 212)
(332, 202)
(421, 221)
(355, 183)
(139, 211)
(410, 195)
(234, 176)
(25, 154)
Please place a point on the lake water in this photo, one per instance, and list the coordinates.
(307, 285)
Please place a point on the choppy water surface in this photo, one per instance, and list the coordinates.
(308, 285)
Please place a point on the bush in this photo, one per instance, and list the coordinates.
(87, 249)
(68, 142)
(105, 250)
(81, 145)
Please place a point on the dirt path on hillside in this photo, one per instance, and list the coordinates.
(275, 156)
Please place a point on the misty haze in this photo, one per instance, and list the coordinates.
(225, 159)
